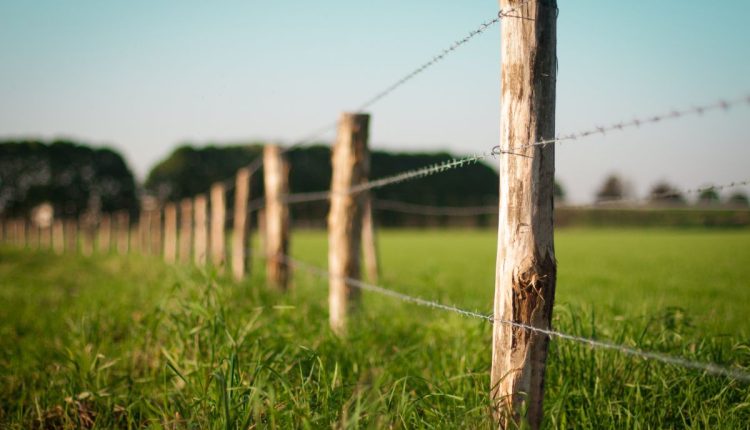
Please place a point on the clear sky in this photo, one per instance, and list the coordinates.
(144, 76)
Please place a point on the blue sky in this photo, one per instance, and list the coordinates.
(143, 76)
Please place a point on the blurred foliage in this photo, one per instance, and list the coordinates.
(69, 175)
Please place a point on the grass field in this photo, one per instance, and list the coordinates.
(107, 342)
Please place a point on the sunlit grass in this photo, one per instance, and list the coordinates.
(108, 342)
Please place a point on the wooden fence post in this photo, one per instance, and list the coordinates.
(58, 236)
(186, 230)
(201, 234)
(155, 231)
(33, 236)
(23, 237)
(276, 182)
(71, 235)
(526, 268)
(350, 161)
(170, 233)
(122, 220)
(240, 233)
(369, 242)
(86, 230)
(105, 234)
(218, 221)
(144, 224)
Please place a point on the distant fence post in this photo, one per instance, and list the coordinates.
(86, 230)
(240, 233)
(71, 235)
(350, 161)
(369, 241)
(23, 236)
(170, 233)
(123, 232)
(45, 241)
(201, 234)
(58, 236)
(526, 269)
(186, 230)
(276, 182)
(218, 220)
(33, 241)
(155, 231)
(144, 224)
(105, 233)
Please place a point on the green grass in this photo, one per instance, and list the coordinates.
(108, 342)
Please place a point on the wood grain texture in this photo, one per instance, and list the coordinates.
(526, 267)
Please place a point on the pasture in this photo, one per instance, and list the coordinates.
(130, 342)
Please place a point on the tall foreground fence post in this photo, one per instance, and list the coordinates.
(200, 206)
(276, 182)
(218, 218)
(240, 233)
(186, 230)
(526, 267)
(350, 161)
(170, 233)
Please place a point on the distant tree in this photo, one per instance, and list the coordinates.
(558, 192)
(68, 175)
(664, 193)
(708, 197)
(612, 189)
(739, 199)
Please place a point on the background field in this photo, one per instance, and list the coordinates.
(110, 342)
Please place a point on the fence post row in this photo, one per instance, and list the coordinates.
(240, 232)
(155, 231)
(186, 230)
(276, 183)
(170, 233)
(201, 234)
(218, 218)
(526, 268)
(350, 160)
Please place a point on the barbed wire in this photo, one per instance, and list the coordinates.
(708, 367)
(440, 56)
(723, 105)
(417, 209)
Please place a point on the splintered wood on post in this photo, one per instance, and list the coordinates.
(186, 230)
(200, 207)
(218, 218)
(350, 160)
(240, 231)
(276, 183)
(526, 266)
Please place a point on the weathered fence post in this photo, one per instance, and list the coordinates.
(276, 182)
(105, 234)
(350, 161)
(526, 267)
(201, 234)
(58, 236)
(123, 232)
(186, 230)
(240, 233)
(369, 242)
(218, 220)
(170, 233)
